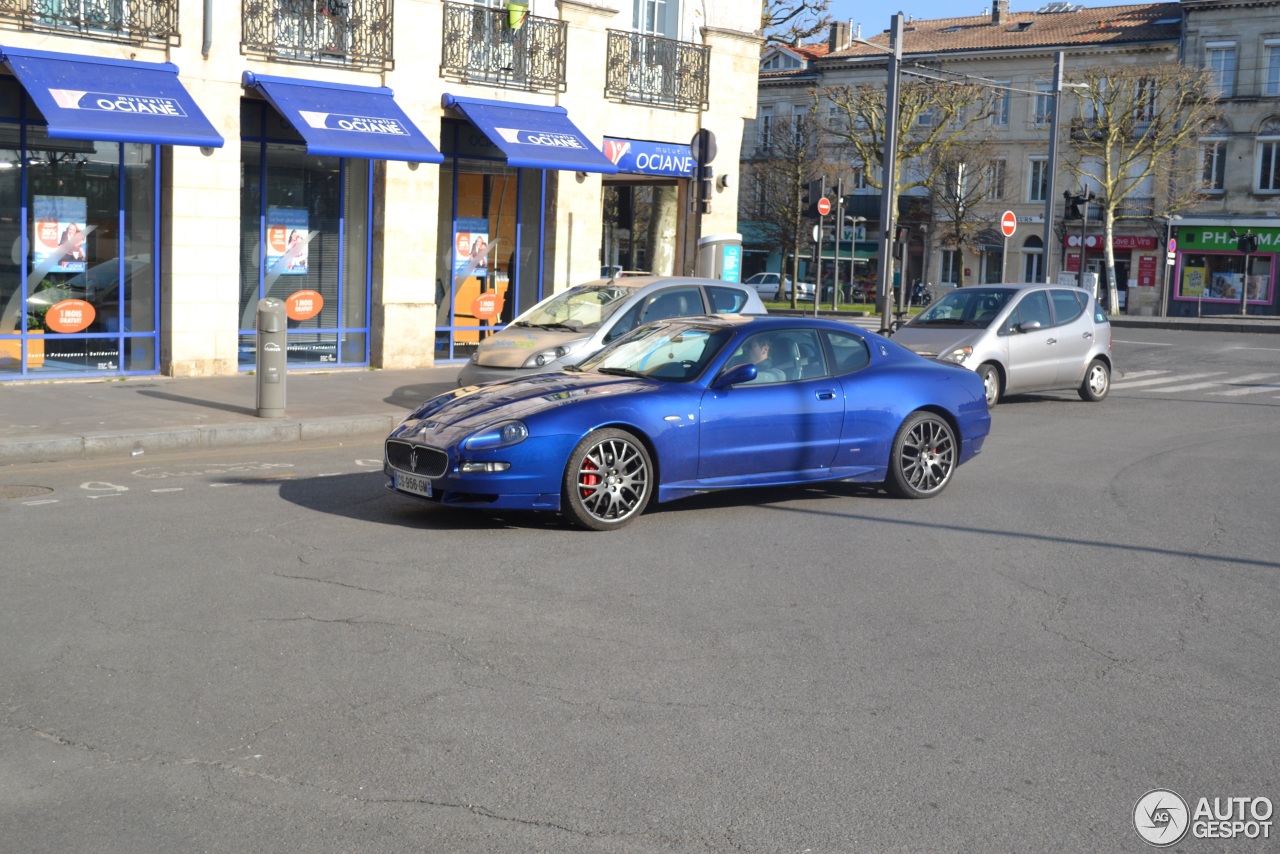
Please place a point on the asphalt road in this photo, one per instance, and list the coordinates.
(263, 650)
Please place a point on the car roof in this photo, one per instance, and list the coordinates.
(764, 322)
(638, 282)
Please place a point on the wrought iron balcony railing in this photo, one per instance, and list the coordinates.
(133, 21)
(503, 47)
(351, 33)
(645, 69)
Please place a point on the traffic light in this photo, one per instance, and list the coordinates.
(814, 193)
(1073, 205)
(1246, 243)
(900, 240)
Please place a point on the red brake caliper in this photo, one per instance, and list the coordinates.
(589, 479)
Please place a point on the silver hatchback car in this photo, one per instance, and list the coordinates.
(1019, 338)
(567, 327)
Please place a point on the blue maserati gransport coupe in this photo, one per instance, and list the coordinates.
(688, 405)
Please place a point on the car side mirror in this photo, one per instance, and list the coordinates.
(1029, 326)
(736, 376)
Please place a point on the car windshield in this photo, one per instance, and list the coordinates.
(974, 306)
(578, 309)
(663, 351)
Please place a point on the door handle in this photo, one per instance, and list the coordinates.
(825, 395)
(1052, 341)
(1088, 335)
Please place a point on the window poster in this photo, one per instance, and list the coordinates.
(471, 251)
(287, 241)
(58, 236)
(1193, 280)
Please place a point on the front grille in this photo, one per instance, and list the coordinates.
(418, 459)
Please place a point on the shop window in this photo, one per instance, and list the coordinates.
(84, 298)
(1222, 277)
(490, 265)
(305, 240)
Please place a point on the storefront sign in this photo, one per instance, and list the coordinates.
(58, 236)
(649, 158)
(287, 241)
(1146, 271)
(303, 305)
(546, 138)
(358, 124)
(1198, 238)
(70, 99)
(70, 315)
(1119, 242)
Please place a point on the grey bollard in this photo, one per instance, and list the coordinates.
(271, 358)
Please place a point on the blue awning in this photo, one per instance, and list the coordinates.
(532, 136)
(340, 120)
(87, 97)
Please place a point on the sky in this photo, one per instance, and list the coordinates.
(875, 17)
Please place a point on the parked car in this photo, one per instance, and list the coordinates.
(766, 285)
(677, 407)
(568, 327)
(1019, 338)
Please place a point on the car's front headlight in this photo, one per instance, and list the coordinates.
(546, 357)
(959, 355)
(475, 357)
(498, 436)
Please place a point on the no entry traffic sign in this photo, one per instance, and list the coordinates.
(1008, 223)
(824, 206)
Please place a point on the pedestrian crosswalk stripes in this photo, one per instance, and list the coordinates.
(1217, 383)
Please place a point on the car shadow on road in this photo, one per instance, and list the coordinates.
(362, 496)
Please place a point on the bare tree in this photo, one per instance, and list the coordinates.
(935, 119)
(786, 161)
(1136, 139)
(792, 22)
(966, 182)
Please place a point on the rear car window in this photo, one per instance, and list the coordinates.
(1066, 307)
(726, 300)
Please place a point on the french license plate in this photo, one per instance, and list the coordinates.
(413, 483)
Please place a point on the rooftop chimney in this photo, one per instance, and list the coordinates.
(839, 39)
(999, 12)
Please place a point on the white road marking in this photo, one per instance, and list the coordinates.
(1137, 375)
(1250, 385)
(1167, 379)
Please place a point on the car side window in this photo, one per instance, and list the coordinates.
(726, 300)
(849, 352)
(624, 324)
(1033, 307)
(1066, 307)
(673, 302)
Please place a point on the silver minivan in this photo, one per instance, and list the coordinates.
(567, 327)
(1019, 338)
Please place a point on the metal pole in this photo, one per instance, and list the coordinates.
(835, 278)
(889, 172)
(817, 280)
(1084, 222)
(1051, 192)
(1244, 282)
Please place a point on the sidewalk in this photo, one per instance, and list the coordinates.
(78, 419)
(65, 420)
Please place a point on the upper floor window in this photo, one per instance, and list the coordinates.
(799, 126)
(1042, 103)
(1220, 59)
(1038, 179)
(656, 17)
(1000, 105)
(1271, 83)
(995, 177)
(1269, 157)
(135, 21)
(780, 62)
(1213, 148)
(764, 128)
